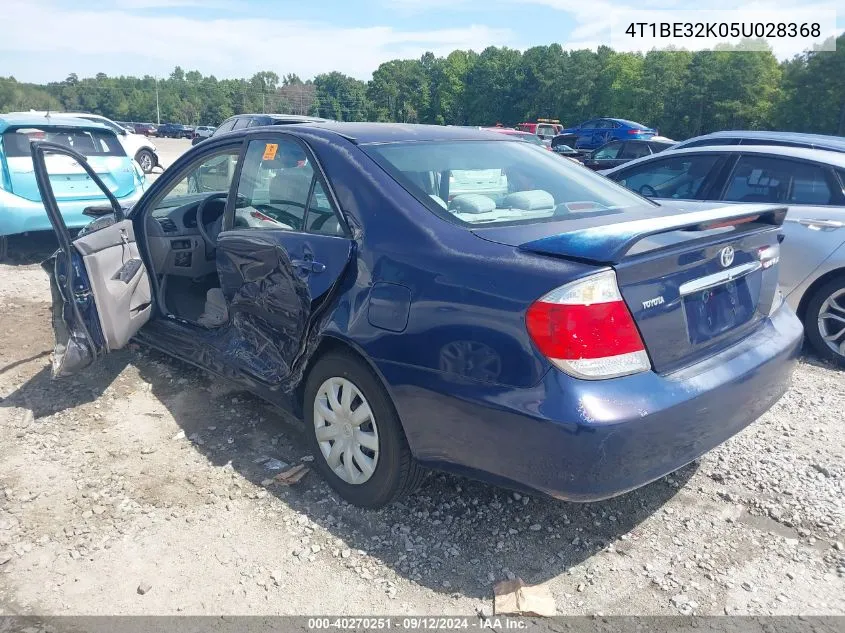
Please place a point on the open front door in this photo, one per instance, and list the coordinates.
(100, 285)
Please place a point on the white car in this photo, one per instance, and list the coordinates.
(137, 146)
(204, 131)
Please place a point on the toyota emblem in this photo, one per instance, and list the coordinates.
(726, 256)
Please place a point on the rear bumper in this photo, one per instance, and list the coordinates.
(589, 440)
(19, 215)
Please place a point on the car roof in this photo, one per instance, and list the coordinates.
(836, 159)
(801, 137)
(366, 133)
(18, 120)
(59, 113)
(292, 118)
(625, 121)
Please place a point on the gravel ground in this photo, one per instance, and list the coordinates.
(143, 487)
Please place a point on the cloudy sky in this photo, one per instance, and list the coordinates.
(45, 40)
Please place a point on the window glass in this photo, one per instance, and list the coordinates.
(227, 125)
(768, 179)
(763, 141)
(608, 152)
(86, 142)
(531, 138)
(493, 182)
(589, 125)
(109, 124)
(321, 216)
(635, 150)
(241, 122)
(274, 186)
(672, 177)
(546, 130)
(210, 174)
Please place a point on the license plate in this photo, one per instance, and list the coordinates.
(716, 310)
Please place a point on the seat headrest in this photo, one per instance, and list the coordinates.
(471, 203)
(531, 200)
(291, 184)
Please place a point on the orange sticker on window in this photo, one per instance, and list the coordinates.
(270, 151)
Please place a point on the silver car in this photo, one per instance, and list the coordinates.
(810, 182)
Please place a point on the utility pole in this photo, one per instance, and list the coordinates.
(263, 109)
(158, 111)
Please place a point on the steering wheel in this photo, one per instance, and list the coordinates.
(217, 224)
(653, 191)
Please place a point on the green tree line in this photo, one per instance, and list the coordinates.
(679, 92)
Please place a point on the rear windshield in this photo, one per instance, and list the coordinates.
(531, 138)
(86, 142)
(490, 182)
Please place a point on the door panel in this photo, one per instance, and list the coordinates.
(273, 281)
(276, 275)
(119, 281)
(812, 235)
(100, 284)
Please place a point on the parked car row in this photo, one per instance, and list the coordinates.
(137, 146)
(174, 130)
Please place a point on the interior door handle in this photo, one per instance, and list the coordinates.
(309, 265)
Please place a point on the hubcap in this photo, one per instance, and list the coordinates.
(146, 162)
(346, 430)
(832, 322)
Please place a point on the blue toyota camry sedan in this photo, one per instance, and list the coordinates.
(439, 298)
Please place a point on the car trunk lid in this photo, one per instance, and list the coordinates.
(695, 282)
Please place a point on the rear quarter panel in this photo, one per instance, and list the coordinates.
(466, 296)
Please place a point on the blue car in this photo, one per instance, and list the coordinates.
(445, 298)
(21, 209)
(596, 132)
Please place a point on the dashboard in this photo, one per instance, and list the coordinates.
(176, 246)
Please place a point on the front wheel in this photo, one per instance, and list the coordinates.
(146, 160)
(355, 433)
(824, 321)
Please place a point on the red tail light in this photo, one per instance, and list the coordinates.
(586, 329)
(636, 131)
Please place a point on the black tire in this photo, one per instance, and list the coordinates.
(4, 247)
(146, 159)
(396, 473)
(811, 320)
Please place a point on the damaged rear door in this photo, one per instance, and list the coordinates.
(100, 285)
(281, 254)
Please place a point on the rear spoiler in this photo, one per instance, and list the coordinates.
(611, 242)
